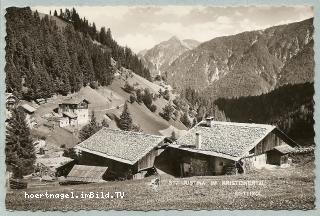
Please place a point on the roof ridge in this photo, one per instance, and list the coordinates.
(241, 124)
(131, 132)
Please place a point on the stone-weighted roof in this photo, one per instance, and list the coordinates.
(224, 138)
(123, 146)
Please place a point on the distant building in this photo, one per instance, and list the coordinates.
(125, 153)
(74, 112)
(218, 148)
(40, 101)
(29, 112)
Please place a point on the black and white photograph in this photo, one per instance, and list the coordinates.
(159, 107)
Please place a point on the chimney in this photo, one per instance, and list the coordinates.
(198, 140)
(209, 121)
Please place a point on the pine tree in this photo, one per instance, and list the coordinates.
(147, 98)
(104, 123)
(194, 122)
(89, 129)
(125, 122)
(185, 120)
(167, 112)
(20, 154)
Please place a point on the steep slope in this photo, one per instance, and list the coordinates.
(158, 58)
(249, 63)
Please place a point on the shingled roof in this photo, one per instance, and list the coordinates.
(82, 173)
(224, 139)
(283, 149)
(124, 146)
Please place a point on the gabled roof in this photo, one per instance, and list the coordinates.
(82, 173)
(224, 139)
(123, 146)
(54, 162)
(28, 108)
(283, 149)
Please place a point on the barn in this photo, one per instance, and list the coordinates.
(125, 153)
(218, 148)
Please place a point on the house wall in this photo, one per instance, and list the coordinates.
(73, 122)
(183, 163)
(115, 170)
(148, 160)
(83, 115)
(258, 155)
(274, 157)
(270, 141)
(63, 122)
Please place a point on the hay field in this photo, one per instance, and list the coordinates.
(283, 188)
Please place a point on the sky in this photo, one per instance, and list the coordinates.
(142, 27)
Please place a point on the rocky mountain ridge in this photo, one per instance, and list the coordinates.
(249, 63)
(159, 58)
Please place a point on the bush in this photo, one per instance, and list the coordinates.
(167, 112)
(166, 94)
(63, 146)
(128, 88)
(70, 152)
(139, 96)
(185, 120)
(153, 108)
(132, 99)
(147, 98)
(94, 85)
(158, 78)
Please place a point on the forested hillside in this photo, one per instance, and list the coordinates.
(290, 107)
(44, 58)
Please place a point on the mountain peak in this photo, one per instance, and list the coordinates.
(174, 38)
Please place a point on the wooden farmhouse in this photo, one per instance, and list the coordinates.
(74, 112)
(125, 153)
(217, 148)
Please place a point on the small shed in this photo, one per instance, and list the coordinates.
(29, 109)
(54, 166)
(86, 174)
(279, 154)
